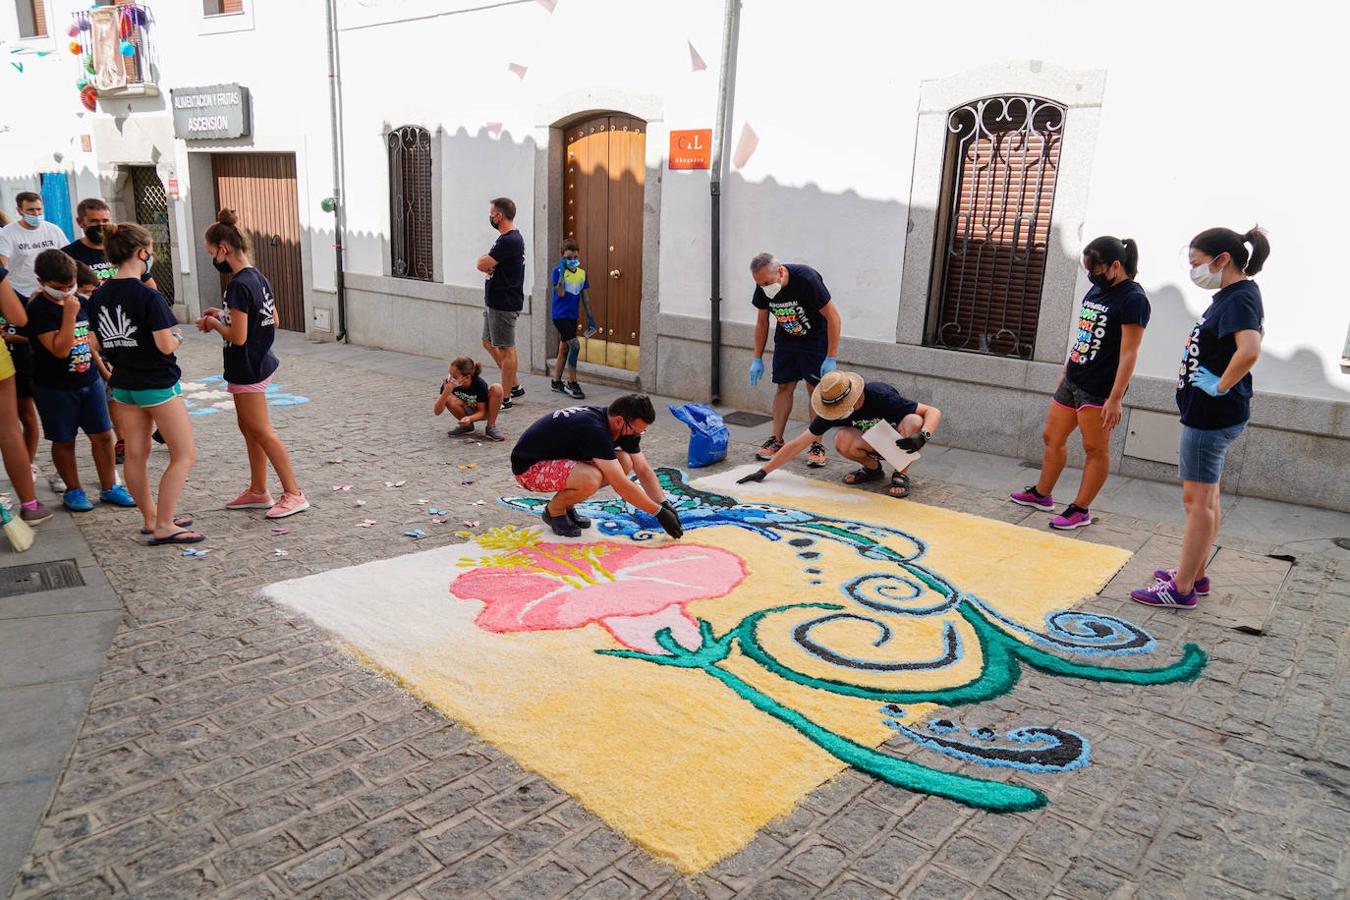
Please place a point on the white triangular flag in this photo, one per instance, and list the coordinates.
(696, 62)
(745, 146)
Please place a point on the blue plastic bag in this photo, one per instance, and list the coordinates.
(709, 434)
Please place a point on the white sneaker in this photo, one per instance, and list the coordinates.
(56, 483)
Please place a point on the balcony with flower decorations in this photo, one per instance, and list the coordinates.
(112, 44)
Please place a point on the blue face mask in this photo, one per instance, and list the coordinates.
(573, 263)
(34, 221)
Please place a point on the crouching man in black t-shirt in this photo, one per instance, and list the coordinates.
(843, 400)
(574, 452)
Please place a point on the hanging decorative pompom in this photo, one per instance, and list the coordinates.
(80, 85)
(84, 23)
(89, 97)
(127, 48)
(74, 30)
(89, 65)
(75, 48)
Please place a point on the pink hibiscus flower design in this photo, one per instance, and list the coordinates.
(631, 590)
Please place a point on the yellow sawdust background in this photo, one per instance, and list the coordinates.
(671, 757)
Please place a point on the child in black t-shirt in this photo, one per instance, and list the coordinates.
(86, 282)
(469, 398)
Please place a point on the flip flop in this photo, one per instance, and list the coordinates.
(178, 537)
(180, 521)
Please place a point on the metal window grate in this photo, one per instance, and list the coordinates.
(410, 202)
(1000, 168)
(152, 211)
(36, 577)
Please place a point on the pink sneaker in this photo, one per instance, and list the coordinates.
(251, 500)
(1074, 516)
(288, 505)
(1029, 497)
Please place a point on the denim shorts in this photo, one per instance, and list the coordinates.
(1071, 396)
(1200, 456)
(66, 411)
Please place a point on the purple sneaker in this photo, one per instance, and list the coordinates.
(1074, 516)
(1029, 497)
(1201, 587)
(1164, 593)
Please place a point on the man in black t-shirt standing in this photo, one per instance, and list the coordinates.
(504, 293)
(574, 452)
(805, 339)
(91, 215)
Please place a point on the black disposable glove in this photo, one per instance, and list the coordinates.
(912, 443)
(757, 475)
(670, 521)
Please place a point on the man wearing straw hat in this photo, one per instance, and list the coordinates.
(842, 400)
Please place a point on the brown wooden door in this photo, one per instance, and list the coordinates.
(261, 189)
(603, 179)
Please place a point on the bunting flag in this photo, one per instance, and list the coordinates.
(745, 146)
(696, 62)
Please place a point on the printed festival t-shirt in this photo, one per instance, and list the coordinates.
(76, 369)
(472, 395)
(797, 308)
(1095, 354)
(96, 259)
(126, 314)
(568, 306)
(578, 432)
(1211, 344)
(21, 247)
(505, 288)
(250, 292)
(880, 401)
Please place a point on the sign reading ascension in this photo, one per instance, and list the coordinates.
(211, 112)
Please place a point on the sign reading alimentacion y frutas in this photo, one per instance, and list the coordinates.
(211, 112)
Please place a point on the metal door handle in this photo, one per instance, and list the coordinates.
(276, 239)
(614, 273)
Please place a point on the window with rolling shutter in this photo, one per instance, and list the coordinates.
(32, 18)
(998, 193)
(410, 203)
(222, 7)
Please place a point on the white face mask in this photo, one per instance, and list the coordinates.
(771, 290)
(1206, 280)
(56, 293)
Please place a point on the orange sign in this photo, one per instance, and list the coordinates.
(691, 149)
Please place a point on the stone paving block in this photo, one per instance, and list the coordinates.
(546, 879)
(374, 839)
(178, 852)
(192, 883)
(819, 863)
(320, 865)
(467, 879)
(396, 869)
(319, 827)
(463, 837)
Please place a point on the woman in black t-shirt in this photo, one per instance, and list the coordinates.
(248, 322)
(1214, 391)
(1111, 324)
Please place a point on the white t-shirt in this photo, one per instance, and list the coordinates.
(22, 246)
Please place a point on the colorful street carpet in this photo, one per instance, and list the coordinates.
(689, 692)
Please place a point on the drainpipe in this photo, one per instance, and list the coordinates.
(339, 173)
(725, 95)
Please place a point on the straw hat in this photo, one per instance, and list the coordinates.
(836, 394)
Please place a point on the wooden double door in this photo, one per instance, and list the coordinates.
(603, 177)
(261, 188)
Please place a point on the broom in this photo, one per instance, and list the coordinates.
(19, 532)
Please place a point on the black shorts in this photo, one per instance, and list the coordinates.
(796, 364)
(22, 354)
(567, 329)
(1071, 396)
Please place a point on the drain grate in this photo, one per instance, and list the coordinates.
(36, 577)
(1342, 542)
(745, 419)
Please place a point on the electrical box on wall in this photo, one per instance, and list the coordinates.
(1153, 436)
(323, 320)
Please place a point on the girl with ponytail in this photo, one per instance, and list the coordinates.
(248, 323)
(1105, 348)
(1214, 392)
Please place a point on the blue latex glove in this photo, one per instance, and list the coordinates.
(1207, 381)
(756, 371)
(828, 366)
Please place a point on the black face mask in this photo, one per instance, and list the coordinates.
(1101, 282)
(492, 222)
(222, 265)
(94, 234)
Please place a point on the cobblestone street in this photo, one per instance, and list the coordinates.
(231, 748)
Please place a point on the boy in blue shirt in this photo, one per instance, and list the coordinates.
(570, 289)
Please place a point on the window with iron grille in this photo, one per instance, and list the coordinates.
(998, 193)
(410, 203)
(32, 18)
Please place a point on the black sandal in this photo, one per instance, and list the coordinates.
(899, 480)
(862, 475)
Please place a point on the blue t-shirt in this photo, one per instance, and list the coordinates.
(1211, 344)
(126, 314)
(578, 432)
(796, 309)
(505, 288)
(250, 292)
(880, 401)
(568, 306)
(1095, 354)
